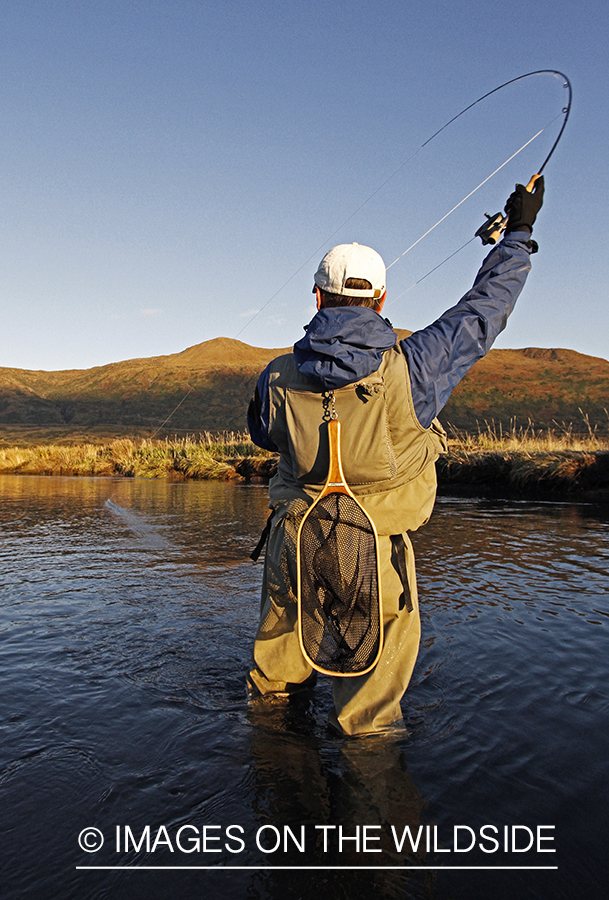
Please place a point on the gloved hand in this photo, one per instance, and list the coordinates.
(522, 207)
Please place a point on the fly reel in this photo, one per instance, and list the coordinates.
(493, 228)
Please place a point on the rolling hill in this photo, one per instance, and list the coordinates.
(213, 382)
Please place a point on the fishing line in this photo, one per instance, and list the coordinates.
(565, 111)
(467, 243)
(162, 425)
(431, 271)
(467, 196)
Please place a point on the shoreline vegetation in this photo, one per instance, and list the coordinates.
(523, 463)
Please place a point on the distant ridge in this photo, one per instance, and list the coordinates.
(541, 385)
(141, 393)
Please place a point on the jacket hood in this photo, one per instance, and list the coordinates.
(342, 345)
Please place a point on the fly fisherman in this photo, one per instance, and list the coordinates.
(392, 390)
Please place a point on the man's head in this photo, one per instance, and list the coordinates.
(351, 275)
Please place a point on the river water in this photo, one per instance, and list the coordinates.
(127, 611)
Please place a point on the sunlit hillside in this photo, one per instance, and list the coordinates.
(207, 387)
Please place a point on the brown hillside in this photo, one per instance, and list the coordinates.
(217, 379)
(222, 352)
(543, 385)
(218, 375)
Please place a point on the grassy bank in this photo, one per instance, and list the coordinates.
(206, 456)
(527, 462)
(526, 473)
(518, 463)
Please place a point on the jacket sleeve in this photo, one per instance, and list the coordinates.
(443, 352)
(258, 413)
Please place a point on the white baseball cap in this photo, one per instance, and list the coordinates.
(351, 261)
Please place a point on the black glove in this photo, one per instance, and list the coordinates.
(522, 207)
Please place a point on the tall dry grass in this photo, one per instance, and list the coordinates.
(525, 459)
(518, 459)
(205, 456)
(528, 439)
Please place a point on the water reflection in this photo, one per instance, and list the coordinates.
(327, 790)
(126, 616)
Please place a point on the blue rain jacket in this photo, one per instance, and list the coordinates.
(344, 344)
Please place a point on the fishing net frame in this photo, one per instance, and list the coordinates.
(340, 614)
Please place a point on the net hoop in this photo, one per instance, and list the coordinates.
(336, 484)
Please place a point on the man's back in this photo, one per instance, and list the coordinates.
(387, 395)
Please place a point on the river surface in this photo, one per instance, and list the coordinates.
(127, 612)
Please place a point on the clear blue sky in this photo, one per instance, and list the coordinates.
(165, 167)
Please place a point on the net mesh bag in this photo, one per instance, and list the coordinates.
(339, 588)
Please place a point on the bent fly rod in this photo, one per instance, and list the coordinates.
(489, 232)
(566, 109)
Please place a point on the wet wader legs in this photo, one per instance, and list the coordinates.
(280, 666)
(366, 703)
(371, 703)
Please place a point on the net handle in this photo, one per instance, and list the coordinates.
(335, 482)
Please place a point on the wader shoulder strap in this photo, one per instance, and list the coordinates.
(255, 554)
(398, 561)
